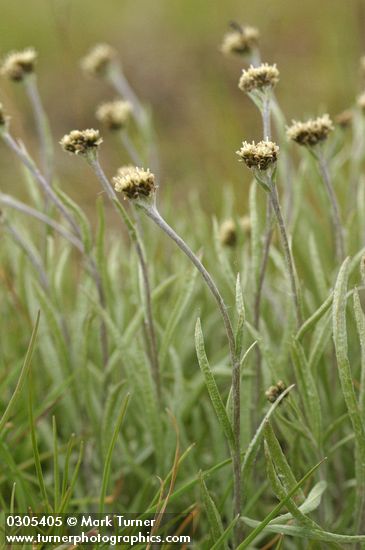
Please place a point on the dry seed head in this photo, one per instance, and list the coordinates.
(259, 78)
(361, 101)
(259, 155)
(228, 233)
(273, 392)
(134, 182)
(81, 142)
(344, 119)
(98, 60)
(17, 65)
(114, 114)
(311, 132)
(240, 41)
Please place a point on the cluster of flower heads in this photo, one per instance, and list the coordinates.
(134, 182)
(259, 78)
(274, 392)
(98, 60)
(81, 142)
(114, 115)
(17, 65)
(259, 155)
(311, 132)
(240, 41)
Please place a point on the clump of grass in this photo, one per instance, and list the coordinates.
(126, 330)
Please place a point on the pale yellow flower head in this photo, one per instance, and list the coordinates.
(311, 132)
(17, 65)
(81, 142)
(114, 115)
(98, 60)
(259, 155)
(240, 41)
(261, 78)
(135, 183)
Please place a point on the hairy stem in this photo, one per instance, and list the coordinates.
(335, 209)
(264, 261)
(7, 200)
(236, 378)
(152, 340)
(130, 148)
(120, 83)
(42, 124)
(43, 182)
(287, 251)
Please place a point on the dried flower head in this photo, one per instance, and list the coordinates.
(17, 65)
(259, 78)
(81, 142)
(114, 114)
(3, 118)
(311, 132)
(344, 119)
(240, 41)
(275, 391)
(361, 101)
(245, 224)
(228, 233)
(135, 182)
(259, 155)
(98, 60)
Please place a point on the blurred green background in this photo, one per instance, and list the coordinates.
(170, 53)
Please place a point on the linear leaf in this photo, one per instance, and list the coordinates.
(212, 387)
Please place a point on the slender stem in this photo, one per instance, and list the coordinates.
(266, 114)
(42, 123)
(335, 209)
(155, 216)
(7, 200)
(266, 123)
(30, 165)
(29, 252)
(119, 82)
(131, 150)
(145, 277)
(264, 261)
(287, 251)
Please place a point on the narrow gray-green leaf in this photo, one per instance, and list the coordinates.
(212, 387)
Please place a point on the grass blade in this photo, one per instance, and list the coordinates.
(23, 375)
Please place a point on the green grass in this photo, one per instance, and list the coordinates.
(83, 426)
